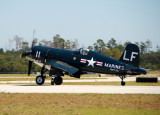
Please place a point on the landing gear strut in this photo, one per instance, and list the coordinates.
(122, 82)
(41, 78)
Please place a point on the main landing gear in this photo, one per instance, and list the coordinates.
(122, 82)
(40, 79)
(56, 80)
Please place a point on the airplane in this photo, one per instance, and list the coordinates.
(75, 63)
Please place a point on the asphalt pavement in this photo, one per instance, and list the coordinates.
(6, 87)
(101, 89)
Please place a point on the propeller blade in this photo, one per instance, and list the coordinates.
(29, 68)
(34, 40)
(34, 43)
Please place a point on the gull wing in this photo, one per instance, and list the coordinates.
(63, 66)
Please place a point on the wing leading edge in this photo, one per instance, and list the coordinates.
(56, 64)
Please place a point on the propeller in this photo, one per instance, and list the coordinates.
(29, 52)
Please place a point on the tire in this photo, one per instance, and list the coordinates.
(58, 80)
(123, 83)
(40, 80)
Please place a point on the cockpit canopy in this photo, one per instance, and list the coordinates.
(82, 51)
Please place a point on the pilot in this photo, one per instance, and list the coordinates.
(87, 50)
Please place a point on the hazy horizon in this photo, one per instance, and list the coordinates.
(86, 21)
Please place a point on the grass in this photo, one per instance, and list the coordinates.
(155, 73)
(149, 74)
(33, 78)
(22, 77)
(67, 104)
(17, 79)
(88, 104)
(80, 111)
(128, 83)
(16, 75)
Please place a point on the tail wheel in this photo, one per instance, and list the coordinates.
(40, 80)
(58, 80)
(123, 83)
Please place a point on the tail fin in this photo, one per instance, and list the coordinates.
(131, 55)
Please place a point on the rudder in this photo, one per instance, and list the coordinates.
(131, 55)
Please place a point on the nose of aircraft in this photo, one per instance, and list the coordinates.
(26, 53)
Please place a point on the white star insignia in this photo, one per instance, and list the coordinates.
(91, 62)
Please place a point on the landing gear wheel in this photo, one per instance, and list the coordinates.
(40, 80)
(58, 80)
(123, 83)
(52, 81)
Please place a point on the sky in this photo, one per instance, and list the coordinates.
(84, 20)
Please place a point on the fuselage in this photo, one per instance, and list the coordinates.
(89, 62)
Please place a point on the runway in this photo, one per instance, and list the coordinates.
(101, 89)
(9, 87)
(96, 79)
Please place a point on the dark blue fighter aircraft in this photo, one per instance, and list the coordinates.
(78, 62)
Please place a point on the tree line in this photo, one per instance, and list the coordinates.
(10, 60)
(148, 59)
(56, 42)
